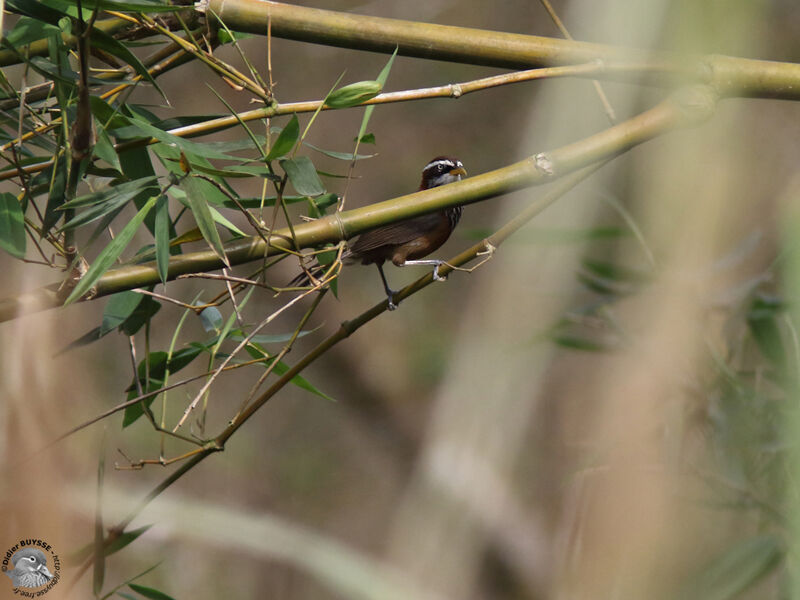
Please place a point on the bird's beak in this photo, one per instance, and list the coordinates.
(44, 571)
(459, 171)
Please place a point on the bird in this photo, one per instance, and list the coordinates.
(30, 569)
(406, 242)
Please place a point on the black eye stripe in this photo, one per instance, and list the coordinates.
(433, 166)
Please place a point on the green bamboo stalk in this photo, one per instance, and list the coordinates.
(39, 47)
(684, 108)
(731, 76)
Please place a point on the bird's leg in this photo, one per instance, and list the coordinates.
(389, 291)
(429, 261)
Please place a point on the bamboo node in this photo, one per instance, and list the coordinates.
(544, 163)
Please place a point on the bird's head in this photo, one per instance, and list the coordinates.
(31, 560)
(441, 170)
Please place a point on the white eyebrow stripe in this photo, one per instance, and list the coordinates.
(435, 163)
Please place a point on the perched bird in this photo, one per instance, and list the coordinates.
(30, 569)
(406, 242)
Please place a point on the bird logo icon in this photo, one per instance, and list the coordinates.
(30, 569)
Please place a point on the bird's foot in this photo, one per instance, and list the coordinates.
(390, 305)
(436, 276)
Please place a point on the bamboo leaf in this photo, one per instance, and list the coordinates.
(111, 252)
(286, 140)
(141, 314)
(257, 352)
(149, 592)
(736, 569)
(99, 570)
(382, 77)
(119, 307)
(202, 214)
(124, 5)
(80, 555)
(211, 318)
(162, 237)
(339, 155)
(12, 225)
(303, 175)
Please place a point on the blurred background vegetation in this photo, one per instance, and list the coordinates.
(605, 409)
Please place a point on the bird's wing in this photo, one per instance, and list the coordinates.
(395, 234)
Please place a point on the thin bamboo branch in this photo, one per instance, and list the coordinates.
(610, 112)
(730, 76)
(453, 90)
(687, 107)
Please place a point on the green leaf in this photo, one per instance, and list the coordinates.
(220, 218)
(227, 36)
(162, 237)
(739, 567)
(578, 343)
(124, 5)
(353, 94)
(119, 307)
(382, 77)
(77, 557)
(339, 155)
(211, 318)
(303, 175)
(138, 127)
(125, 539)
(141, 315)
(110, 193)
(114, 200)
(158, 370)
(268, 201)
(109, 254)
(202, 214)
(150, 593)
(258, 352)
(57, 176)
(104, 148)
(102, 41)
(286, 140)
(28, 30)
(369, 138)
(12, 225)
(762, 319)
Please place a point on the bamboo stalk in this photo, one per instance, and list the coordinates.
(729, 75)
(40, 47)
(687, 107)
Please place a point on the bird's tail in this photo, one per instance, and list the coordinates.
(316, 273)
(310, 275)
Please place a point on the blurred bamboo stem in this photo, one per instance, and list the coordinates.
(730, 76)
(684, 108)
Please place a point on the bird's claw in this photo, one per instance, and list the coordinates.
(436, 276)
(390, 305)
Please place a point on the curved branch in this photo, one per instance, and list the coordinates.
(684, 108)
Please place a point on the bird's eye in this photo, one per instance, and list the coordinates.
(31, 558)
(440, 168)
